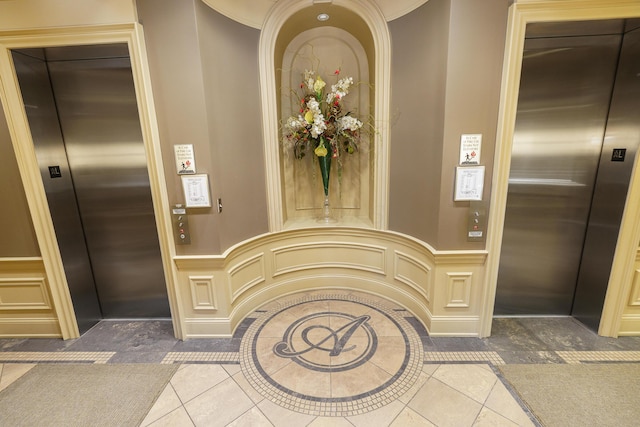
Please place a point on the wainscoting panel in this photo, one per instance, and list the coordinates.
(288, 259)
(630, 324)
(414, 273)
(26, 308)
(442, 289)
(203, 294)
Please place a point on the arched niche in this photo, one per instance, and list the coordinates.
(361, 29)
(326, 50)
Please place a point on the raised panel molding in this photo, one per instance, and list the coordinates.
(291, 258)
(246, 274)
(413, 273)
(634, 296)
(203, 295)
(458, 290)
(219, 292)
(24, 294)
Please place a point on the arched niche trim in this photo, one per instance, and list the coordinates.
(366, 22)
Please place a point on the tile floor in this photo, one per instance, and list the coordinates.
(321, 359)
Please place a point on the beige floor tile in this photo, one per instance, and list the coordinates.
(488, 418)
(219, 405)
(268, 360)
(380, 417)
(422, 379)
(251, 418)
(166, 403)
(330, 422)
(501, 401)
(283, 417)
(305, 381)
(176, 418)
(444, 406)
(193, 379)
(383, 326)
(253, 394)
(356, 381)
(232, 369)
(410, 418)
(473, 380)
(10, 372)
(391, 354)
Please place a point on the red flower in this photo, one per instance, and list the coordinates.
(337, 72)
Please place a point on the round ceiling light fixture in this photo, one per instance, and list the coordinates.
(323, 17)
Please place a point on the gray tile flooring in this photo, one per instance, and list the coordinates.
(457, 373)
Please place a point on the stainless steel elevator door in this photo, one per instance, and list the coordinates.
(564, 98)
(99, 119)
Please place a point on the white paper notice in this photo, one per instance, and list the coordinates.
(185, 162)
(470, 146)
(469, 183)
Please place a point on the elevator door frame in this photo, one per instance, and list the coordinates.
(521, 13)
(131, 35)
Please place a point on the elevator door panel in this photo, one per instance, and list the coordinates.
(561, 118)
(100, 125)
(47, 139)
(610, 193)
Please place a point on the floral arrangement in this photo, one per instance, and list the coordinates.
(321, 124)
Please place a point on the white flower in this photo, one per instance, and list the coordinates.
(340, 89)
(294, 123)
(318, 126)
(308, 79)
(348, 123)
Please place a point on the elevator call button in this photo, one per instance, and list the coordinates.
(180, 225)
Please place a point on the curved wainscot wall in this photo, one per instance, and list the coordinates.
(441, 288)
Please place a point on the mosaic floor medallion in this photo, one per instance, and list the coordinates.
(332, 355)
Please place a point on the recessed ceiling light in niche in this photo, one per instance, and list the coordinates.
(323, 17)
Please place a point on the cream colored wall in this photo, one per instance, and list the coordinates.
(18, 238)
(447, 58)
(630, 324)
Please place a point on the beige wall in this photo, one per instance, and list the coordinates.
(205, 79)
(447, 59)
(18, 237)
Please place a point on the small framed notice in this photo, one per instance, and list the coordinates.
(196, 191)
(185, 161)
(469, 183)
(470, 145)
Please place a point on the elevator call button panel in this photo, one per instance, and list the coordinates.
(476, 223)
(180, 225)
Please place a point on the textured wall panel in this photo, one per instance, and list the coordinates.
(203, 294)
(24, 294)
(414, 273)
(246, 274)
(323, 255)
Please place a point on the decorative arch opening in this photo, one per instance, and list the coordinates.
(355, 39)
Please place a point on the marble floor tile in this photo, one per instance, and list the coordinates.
(167, 402)
(474, 381)
(411, 379)
(444, 406)
(219, 406)
(252, 418)
(410, 418)
(282, 417)
(192, 380)
(176, 418)
(10, 372)
(501, 401)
